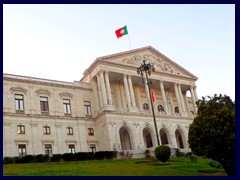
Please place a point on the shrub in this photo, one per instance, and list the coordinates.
(18, 159)
(8, 160)
(105, 155)
(188, 154)
(90, 156)
(214, 163)
(29, 159)
(147, 154)
(99, 155)
(179, 153)
(42, 158)
(162, 153)
(68, 157)
(56, 157)
(110, 154)
(81, 156)
(193, 158)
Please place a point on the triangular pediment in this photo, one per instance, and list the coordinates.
(134, 58)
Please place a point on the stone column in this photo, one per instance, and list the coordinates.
(99, 91)
(109, 94)
(123, 99)
(138, 99)
(193, 100)
(103, 88)
(127, 90)
(147, 91)
(195, 93)
(131, 91)
(186, 100)
(178, 99)
(181, 98)
(170, 103)
(119, 100)
(164, 97)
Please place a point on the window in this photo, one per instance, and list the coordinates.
(69, 131)
(48, 149)
(46, 130)
(66, 106)
(93, 147)
(21, 129)
(71, 148)
(22, 150)
(145, 107)
(19, 102)
(160, 108)
(176, 109)
(44, 104)
(87, 106)
(90, 132)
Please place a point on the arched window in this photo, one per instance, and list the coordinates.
(147, 138)
(160, 108)
(176, 109)
(164, 137)
(145, 107)
(125, 139)
(179, 139)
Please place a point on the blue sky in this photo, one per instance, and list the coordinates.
(200, 38)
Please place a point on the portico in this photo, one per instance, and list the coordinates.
(130, 85)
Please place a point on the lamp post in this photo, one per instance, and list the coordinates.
(148, 69)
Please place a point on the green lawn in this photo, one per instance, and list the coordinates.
(127, 167)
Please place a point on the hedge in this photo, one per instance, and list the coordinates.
(79, 156)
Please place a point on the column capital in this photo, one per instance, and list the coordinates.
(100, 71)
(175, 83)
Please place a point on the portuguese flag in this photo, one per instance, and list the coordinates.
(122, 31)
(153, 97)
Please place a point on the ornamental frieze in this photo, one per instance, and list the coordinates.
(159, 64)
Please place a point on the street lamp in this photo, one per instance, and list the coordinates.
(148, 69)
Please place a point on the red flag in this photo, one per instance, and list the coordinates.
(152, 94)
(122, 31)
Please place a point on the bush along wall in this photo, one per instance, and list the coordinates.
(79, 156)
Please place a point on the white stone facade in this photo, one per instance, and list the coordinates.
(101, 112)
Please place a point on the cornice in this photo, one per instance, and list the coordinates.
(45, 82)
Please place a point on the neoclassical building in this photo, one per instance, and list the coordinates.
(108, 109)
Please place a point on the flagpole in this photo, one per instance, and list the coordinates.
(129, 40)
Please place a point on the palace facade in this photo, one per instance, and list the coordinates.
(108, 109)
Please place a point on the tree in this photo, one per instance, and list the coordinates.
(212, 133)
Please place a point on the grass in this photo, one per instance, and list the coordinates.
(126, 167)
